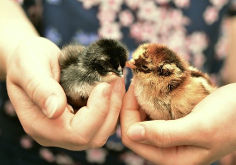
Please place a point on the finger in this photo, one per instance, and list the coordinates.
(47, 93)
(89, 119)
(169, 133)
(129, 113)
(118, 91)
(40, 127)
(33, 121)
(38, 80)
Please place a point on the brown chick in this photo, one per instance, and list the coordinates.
(165, 85)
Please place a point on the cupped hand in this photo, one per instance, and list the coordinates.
(201, 137)
(40, 102)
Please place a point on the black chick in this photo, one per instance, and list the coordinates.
(83, 67)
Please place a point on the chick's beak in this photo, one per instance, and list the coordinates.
(130, 64)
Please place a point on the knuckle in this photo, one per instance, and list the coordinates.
(33, 91)
(84, 141)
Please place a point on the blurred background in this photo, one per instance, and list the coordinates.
(203, 32)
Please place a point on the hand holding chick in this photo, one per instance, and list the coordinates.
(166, 86)
(82, 68)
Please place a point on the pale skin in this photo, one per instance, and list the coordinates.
(29, 63)
(199, 138)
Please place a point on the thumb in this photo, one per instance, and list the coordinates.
(47, 93)
(34, 68)
(167, 133)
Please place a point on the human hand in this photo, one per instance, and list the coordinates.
(40, 102)
(201, 137)
(229, 159)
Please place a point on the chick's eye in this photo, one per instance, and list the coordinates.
(163, 72)
(144, 67)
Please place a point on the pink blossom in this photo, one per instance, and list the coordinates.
(96, 155)
(136, 31)
(178, 17)
(177, 40)
(126, 18)
(182, 3)
(26, 142)
(110, 30)
(197, 42)
(148, 11)
(148, 31)
(9, 109)
(134, 4)
(219, 3)
(210, 15)
(114, 5)
(47, 155)
(106, 16)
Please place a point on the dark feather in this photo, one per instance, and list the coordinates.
(83, 67)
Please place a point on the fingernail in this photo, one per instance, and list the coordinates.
(51, 106)
(136, 132)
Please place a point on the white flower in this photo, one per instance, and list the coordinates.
(96, 155)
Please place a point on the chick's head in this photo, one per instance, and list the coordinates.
(157, 65)
(107, 57)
